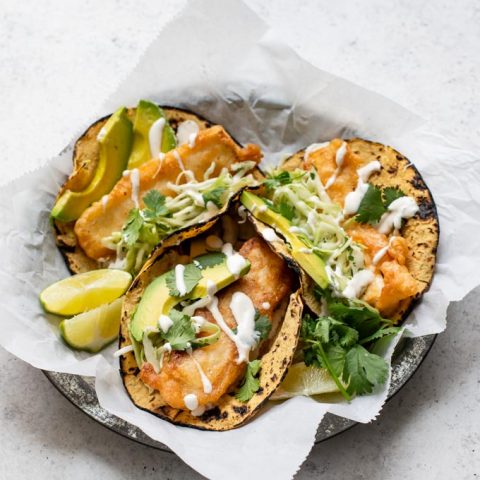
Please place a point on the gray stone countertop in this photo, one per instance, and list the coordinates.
(60, 59)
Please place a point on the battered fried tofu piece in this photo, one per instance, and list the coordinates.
(269, 280)
(212, 145)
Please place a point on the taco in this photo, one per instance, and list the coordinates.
(210, 325)
(361, 224)
(140, 175)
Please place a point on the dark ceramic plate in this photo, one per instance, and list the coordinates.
(409, 354)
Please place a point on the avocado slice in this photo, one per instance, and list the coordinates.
(146, 115)
(156, 299)
(311, 263)
(115, 146)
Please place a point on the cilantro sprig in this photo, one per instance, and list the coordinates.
(251, 383)
(182, 332)
(191, 276)
(375, 203)
(340, 341)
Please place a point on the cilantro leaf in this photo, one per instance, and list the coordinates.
(155, 205)
(363, 370)
(382, 332)
(209, 260)
(215, 196)
(390, 194)
(286, 210)
(181, 333)
(191, 277)
(275, 181)
(250, 384)
(132, 227)
(262, 325)
(371, 207)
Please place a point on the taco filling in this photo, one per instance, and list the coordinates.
(203, 328)
(355, 233)
(141, 175)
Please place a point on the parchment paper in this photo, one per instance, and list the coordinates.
(220, 60)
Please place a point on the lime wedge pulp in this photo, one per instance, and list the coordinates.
(84, 291)
(93, 330)
(303, 380)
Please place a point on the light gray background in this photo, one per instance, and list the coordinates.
(58, 61)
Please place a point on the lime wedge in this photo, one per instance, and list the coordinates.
(303, 380)
(84, 291)
(93, 330)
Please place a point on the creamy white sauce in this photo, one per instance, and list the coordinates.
(135, 181)
(192, 139)
(214, 242)
(295, 230)
(123, 351)
(155, 137)
(269, 235)
(166, 347)
(235, 262)
(207, 385)
(262, 208)
(358, 283)
(101, 134)
(104, 203)
(354, 199)
(306, 250)
(186, 131)
(126, 173)
(381, 253)
(191, 401)
(370, 168)
(209, 171)
(339, 158)
(198, 322)
(244, 312)
(266, 305)
(242, 214)
(202, 302)
(179, 160)
(118, 263)
(403, 207)
(313, 148)
(180, 280)
(165, 322)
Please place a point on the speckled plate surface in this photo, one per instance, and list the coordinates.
(81, 392)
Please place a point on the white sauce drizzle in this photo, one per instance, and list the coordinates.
(262, 208)
(353, 199)
(306, 250)
(187, 132)
(165, 322)
(269, 235)
(358, 283)
(202, 302)
(381, 253)
(179, 160)
(135, 181)
(155, 137)
(242, 214)
(191, 401)
(266, 305)
(126, 173)
(207, 385)
(403, 207)
(244, 312)
(214, 242)
(180, 280)
(123, 351)
(313, 148)
(166, 347)
(209, 171)
(104, 203)
(339, 158)
(198, 322)
(101, 134)
(235, 262)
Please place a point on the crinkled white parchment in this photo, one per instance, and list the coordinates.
(219, 59)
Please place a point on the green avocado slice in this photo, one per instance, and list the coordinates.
(146, 115)
(115, 145)
(311, 263)
(157, 300)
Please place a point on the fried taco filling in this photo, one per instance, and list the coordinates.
(139, 177)
(351, 229)
(202, 326)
